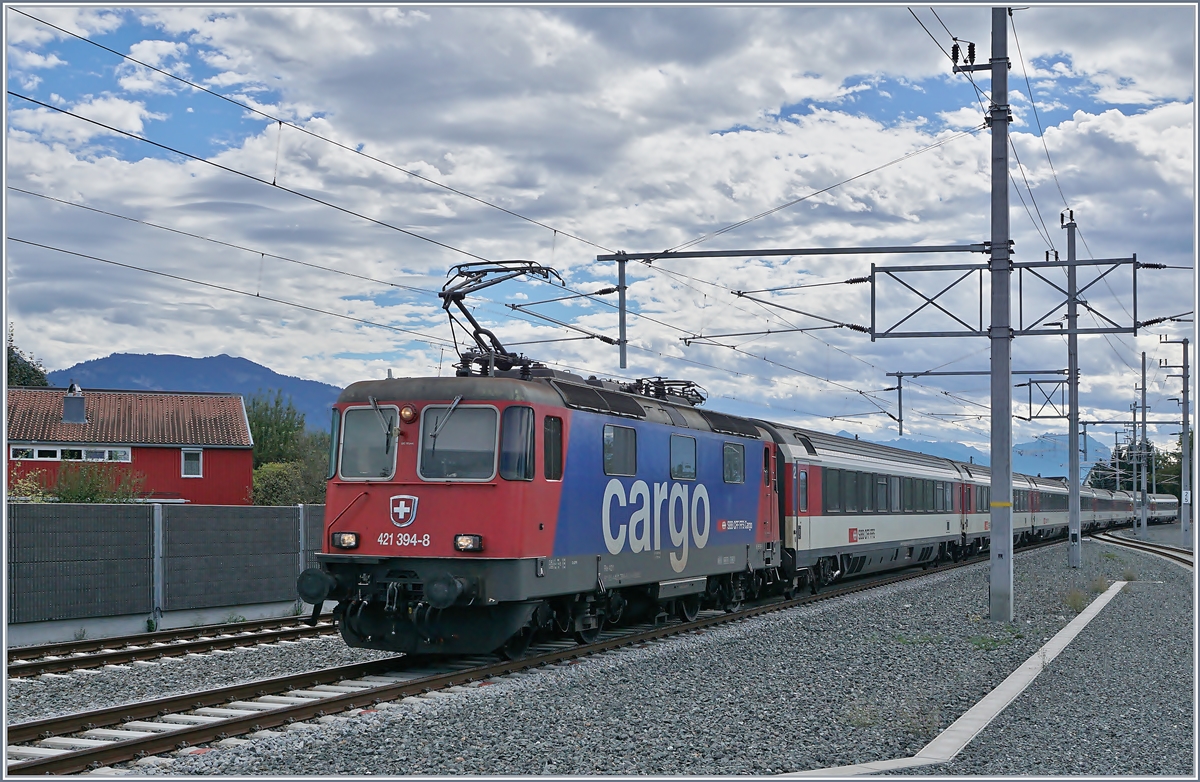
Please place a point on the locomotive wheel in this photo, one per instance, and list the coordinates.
(588, 636)
(688, 607)
(518, 646)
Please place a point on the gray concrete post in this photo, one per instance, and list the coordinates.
(1142, 450)
(1001, 576)
(621, 312)
(1185, 473)
(159, 574)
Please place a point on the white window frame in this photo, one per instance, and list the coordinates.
(124, 453)
(183, 462)
(342, 440)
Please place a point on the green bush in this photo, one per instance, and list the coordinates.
(1076, 600)
(97, 482)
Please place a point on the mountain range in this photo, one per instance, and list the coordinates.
(222, 374)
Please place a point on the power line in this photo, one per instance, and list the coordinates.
(311, 133)
(190, 156)
(427, 338)
(262, 253)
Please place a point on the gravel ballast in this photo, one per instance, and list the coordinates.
(867, 677)
(37, 697)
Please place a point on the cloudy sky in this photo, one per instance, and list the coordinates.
(572, 132)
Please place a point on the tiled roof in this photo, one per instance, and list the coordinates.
(129, 417)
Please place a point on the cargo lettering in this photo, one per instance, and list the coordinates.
(688, 518)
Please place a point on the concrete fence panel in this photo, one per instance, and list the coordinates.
(77, 561)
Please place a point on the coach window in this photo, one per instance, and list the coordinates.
(683, 457)
(803, 490)
(553, 458)
(866, 492)
(939, 496)
(850, 490)
(620, 450)
(832, 490)
(894, 494)
(517, 444)
(881, 493)
(908, 495)
(734, 462)
(456, 444)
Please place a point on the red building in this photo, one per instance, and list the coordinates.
(190, 447)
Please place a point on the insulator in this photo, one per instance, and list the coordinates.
(1056, 255)
(954, 53)
(971, 53)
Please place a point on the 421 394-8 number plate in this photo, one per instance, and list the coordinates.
(402, 539)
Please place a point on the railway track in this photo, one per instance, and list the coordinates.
(1173, 553)
(89, 740)
(73, 655)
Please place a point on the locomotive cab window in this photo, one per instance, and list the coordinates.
(734, 462)
(333, 443)
(683, 458)
(620, 450)
(457, 443)
(368, 450)
(517, 444)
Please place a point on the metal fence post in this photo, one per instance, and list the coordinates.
(301, 537)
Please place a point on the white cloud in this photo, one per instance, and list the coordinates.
(116, 112)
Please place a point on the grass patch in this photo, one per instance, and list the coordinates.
(987, 643)
(1098, 584)
(1076, 600)
(233, 618)
(1129, 575)
(920, 720)
(862, 716)
(80, 634)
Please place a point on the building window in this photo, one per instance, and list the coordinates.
(620, 450)
(683, 458)
(192, 464)
(734, 458)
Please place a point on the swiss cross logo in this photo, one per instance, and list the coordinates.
(854, 534)
(404, 509)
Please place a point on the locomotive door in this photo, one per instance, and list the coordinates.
(769, 505)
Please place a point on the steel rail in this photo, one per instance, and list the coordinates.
(206, 643)
(158, 636)
(130, 749)
(1182, 556)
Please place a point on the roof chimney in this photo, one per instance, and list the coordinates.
(73, 410)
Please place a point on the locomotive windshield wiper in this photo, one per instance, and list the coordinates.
(385, 422)
(442, 424)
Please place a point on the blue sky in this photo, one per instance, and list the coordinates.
(635, 129)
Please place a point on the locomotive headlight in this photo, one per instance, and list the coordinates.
(468, 543)
(345, 540)
(408, 414)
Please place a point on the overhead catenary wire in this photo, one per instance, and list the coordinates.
(251, 177)
(281, 122)
(422, 337)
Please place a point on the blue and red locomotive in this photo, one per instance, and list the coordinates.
(472, 513)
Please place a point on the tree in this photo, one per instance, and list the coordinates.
(23, 368)
(276, 426)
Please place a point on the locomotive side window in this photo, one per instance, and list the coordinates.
(620, 450)
(458, 443)
(367, 447)
(517, 444)
(832, 490)
(553, 448)
(766, 466)
(334, 428)
(683, 458)
(803, 490)
(734, 467)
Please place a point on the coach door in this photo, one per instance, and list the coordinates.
(769, 506)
